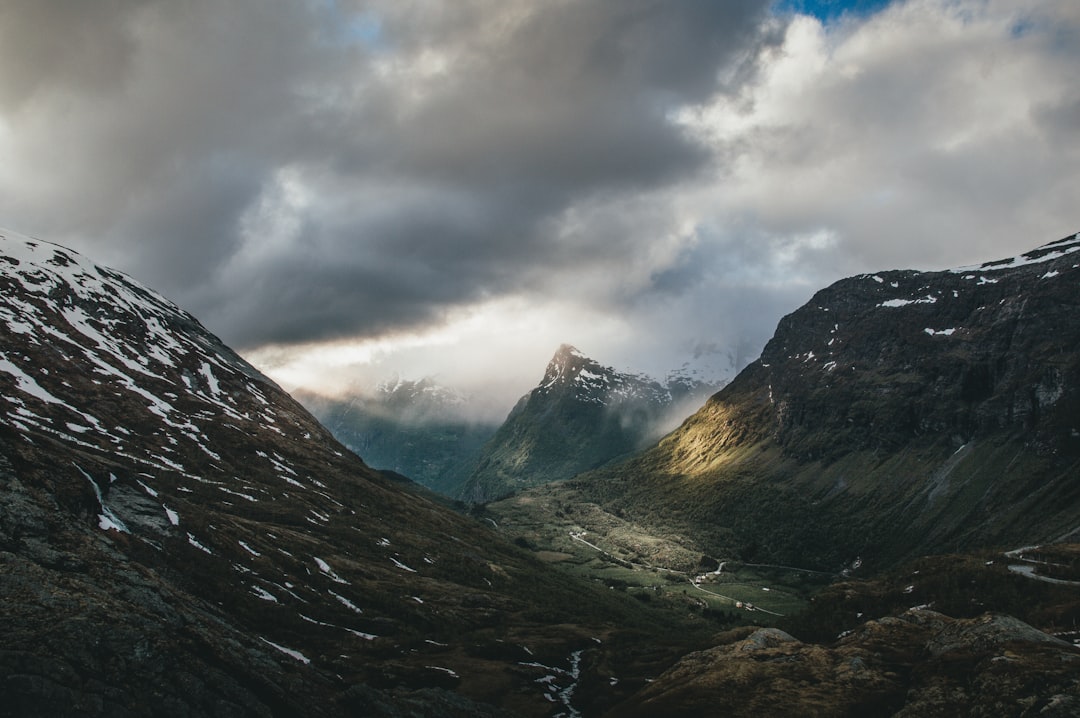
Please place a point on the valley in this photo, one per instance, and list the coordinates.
(874, 517)
(666, 571)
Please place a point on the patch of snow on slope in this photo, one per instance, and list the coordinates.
(345, 602)
(288, 651)
(929, 299)
(325, 568)
(26, 384)
(250, 550)
(106, 519)
(195, 542)
(402, 566)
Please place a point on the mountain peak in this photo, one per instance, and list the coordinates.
(566, 351)
(567, 365)
(582, 415)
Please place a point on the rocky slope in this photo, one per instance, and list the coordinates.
(414, 428)
(921, 663)
(179, 537)
(939, 636)
(581, 416)
(894, 414)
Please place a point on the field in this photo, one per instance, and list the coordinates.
(668, 572)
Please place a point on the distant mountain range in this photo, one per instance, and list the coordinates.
(895, 414)
(418, 429)
(581, 416)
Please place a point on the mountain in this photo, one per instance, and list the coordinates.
(180, 537)
(895, 414)
(414, 428)
(581, 416)
(928, 639)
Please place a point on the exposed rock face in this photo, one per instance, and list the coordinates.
(897, 413)
(880, 359)
(178, 537)
(919, 664)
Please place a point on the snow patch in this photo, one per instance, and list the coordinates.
(195, 542)
(402, 566)
(250, 550)
(288, 651)
(928, 299)
(325, 568)
(345, 602)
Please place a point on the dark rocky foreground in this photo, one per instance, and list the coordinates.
(920, 663)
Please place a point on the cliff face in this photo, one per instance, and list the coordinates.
(894, 413)
(875, 361)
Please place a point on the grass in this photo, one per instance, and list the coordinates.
(668, 573)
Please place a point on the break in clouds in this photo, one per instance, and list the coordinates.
(463, 185)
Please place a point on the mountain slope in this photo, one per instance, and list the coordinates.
(179, 536)
(414, 428)
(581, 416)
(894, 414)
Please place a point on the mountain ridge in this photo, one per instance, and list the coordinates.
(179, 536)
(580, 416)
(894, 413)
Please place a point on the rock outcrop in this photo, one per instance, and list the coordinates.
(921, 663)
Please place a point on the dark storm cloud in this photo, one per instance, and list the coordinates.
(539, 107)
(180, 124)
(294, 171)
(70, 43)
(577, 94)
(154, 168)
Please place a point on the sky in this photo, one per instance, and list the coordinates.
(347, 189)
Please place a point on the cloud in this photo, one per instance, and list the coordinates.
(921, 137)
(67, 44)
(639, 178)
(434, 145)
